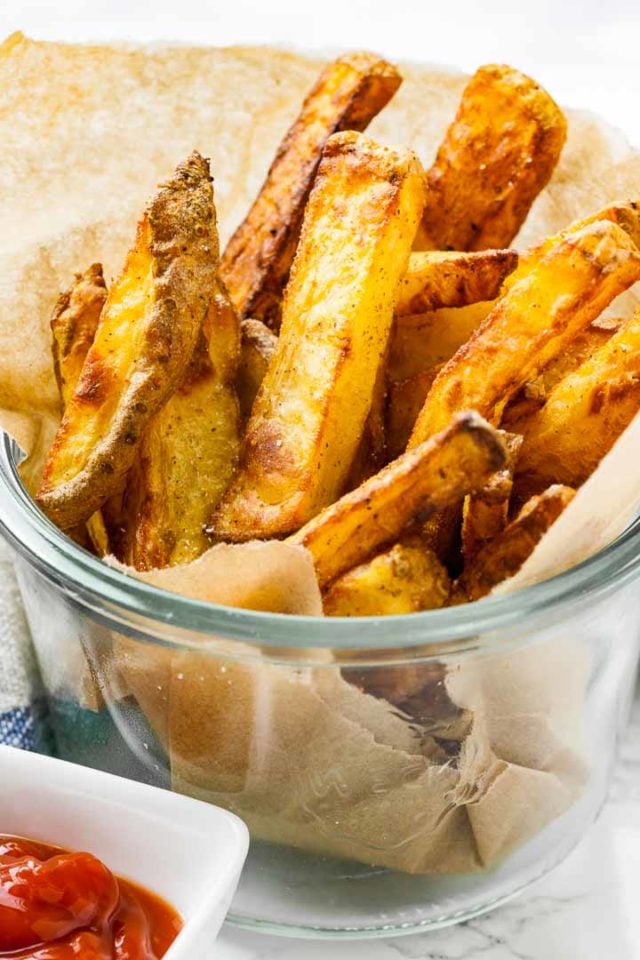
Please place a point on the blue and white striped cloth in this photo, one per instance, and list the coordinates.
(20, 686)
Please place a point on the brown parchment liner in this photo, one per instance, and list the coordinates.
(306, 758)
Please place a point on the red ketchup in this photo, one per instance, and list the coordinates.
(56, 905)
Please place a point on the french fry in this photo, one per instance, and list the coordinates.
(497, 155)
(73, 326)
(533, 323)
(257, 260)
(416, 485)
(503, 556)
(257, 348)
(485, 514)
(188, 451)
(583, 415)
(404, 579)
(371, 454)
(308, 417)
(404, 402)
(533, 394)
(443, 279)
(625, 215)
(150, 325)
(420, 342)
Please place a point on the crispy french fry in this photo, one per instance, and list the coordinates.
(534, 393)
(371, 454)
(442, 279)
(502, 557)
(497, 155)
(308, 417)
(420, 342)
(404, 403)
(404, 579)
(188, 451)
(625, 215)
(532, 324)
(150, 325)
(419, 483)
(257, 260)
(73, 327)
(258, 347)
(486, 513)
(583, 416)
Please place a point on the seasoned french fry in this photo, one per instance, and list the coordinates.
(532, 324)
(442, 279)
(583, 415)
(419, 483)
(422, 341)
(497, 155)
(188, 451)
(371, 454)
(404, 403)
(73, 326)
(150, 324)
(404, 579)
(486, 513)
(258, 347)
(534, 393)
(307, 420)
(625, 215)
(502, 557)
(257, 260)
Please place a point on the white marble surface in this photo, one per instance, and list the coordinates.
(587, 909)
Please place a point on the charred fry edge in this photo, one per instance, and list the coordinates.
(179, 219)
(350, 530)
(256, 262)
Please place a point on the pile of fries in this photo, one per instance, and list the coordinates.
(367, 370)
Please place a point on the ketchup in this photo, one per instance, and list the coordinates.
(56, 905)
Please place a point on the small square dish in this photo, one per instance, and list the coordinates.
(189, 853)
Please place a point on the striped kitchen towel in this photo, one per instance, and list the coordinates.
(20, 686)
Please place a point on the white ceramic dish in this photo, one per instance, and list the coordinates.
(188, 852)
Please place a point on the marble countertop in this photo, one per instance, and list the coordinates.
(587, 909)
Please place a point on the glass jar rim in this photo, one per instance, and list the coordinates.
(56, 556)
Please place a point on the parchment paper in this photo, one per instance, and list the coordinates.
(305, 757)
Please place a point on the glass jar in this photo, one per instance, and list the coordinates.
(396, 773)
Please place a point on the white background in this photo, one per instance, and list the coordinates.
(587, 53)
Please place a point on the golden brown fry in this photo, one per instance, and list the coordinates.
(188, 451)
(404, 579)
(442, 279)
(150, 325)
(423, 341)
(258, 347)
(625, 215)
(532, 324)
(420, 482)
(502, 557)
(486, 513)
(497, 155)
(73, 326)
(583, 415)
(371, 454)
(256, 262)
(308, 417)
(404, 403)
(534, 393)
